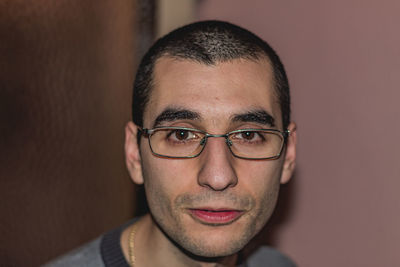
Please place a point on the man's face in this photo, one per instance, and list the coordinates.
(214, 204)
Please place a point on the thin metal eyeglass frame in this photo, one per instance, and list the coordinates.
(148, 132)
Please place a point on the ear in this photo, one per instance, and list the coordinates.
(132, 154)
(290, 155)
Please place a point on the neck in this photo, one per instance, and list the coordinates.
(154, 248)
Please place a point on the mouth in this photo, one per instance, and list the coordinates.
(215, 217)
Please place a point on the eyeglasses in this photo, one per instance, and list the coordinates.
(182, 142)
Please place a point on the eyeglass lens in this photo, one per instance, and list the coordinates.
(251, 143)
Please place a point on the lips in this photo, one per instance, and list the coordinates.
(215, 216)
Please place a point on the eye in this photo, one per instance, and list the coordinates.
(181, 135)
(249, 137)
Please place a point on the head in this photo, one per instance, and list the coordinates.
(207, 43)
(215, 77)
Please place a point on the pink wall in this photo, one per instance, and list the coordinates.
(343, 62)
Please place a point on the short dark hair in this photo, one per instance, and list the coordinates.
(208, 42)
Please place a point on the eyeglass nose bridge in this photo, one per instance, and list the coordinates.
(203, 141)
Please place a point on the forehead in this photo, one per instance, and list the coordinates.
(214, 91)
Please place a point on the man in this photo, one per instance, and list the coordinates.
(211, 140)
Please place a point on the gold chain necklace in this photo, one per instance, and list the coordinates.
(132, 244)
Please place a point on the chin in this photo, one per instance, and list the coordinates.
(211, 252)
(212, 246)
(218, 252)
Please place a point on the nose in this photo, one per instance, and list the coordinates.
(217, 171)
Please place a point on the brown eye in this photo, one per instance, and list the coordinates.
(181, 134)
(248, 135)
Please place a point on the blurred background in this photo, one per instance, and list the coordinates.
(66, 72)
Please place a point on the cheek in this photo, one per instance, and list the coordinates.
(262, 180)
(164, 180)
(169, 174)
(259, 176)
(268, 201)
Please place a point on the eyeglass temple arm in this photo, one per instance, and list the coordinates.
(143, 132)
(286, 134)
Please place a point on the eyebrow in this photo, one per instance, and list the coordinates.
(173, 114)
(259, 116)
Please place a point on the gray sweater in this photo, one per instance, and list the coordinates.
(106, 251)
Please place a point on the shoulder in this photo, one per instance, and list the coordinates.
(101, 252)
(86, 255)
(272, 257)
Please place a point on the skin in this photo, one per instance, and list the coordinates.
(216, 178)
